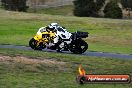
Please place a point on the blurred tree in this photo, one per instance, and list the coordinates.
(87, 7)
(99, 4)
(15, 5)
(127, 3)
(112, 10)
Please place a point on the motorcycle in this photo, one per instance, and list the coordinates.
(66, 41)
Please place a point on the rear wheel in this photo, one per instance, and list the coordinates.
(78, 46)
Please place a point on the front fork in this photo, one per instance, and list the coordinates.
(39, 42)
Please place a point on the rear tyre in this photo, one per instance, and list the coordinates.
(78, 46)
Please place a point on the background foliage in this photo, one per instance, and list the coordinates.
(15, 5)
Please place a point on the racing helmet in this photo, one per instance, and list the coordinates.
(53, 26)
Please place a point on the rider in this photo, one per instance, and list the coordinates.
(58, 32)
(53, 27)
(50, 27)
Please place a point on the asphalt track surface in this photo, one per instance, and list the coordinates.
(89, 53)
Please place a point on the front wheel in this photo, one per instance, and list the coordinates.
(33, 45)
(78, 46)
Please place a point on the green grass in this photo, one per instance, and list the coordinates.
(61, 10)
(21, 75)
(106, 35)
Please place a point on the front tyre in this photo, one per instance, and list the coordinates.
(33, 44)
(78, 46)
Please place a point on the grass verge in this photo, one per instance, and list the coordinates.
(16, 72)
